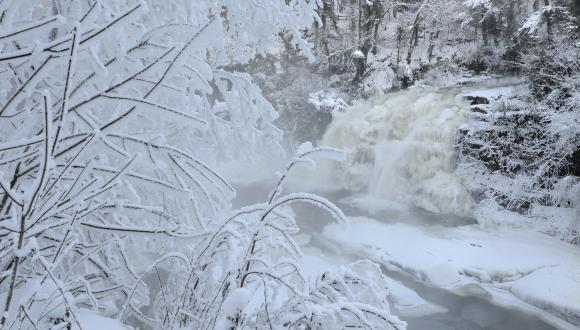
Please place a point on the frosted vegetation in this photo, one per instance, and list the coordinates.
(113, 116)
(118, 118)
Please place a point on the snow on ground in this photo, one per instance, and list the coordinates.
(491, 93)
(559, 222)
(520, 269)
(90, 320)
(327, 101)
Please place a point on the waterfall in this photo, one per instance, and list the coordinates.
(402, 149)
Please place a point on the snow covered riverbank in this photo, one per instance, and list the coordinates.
(517, 269)
(442, 274)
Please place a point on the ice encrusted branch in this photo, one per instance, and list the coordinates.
(120, 192)
(305, 157)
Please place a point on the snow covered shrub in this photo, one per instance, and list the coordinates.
(327, 101)
(110, 120)
(245, 274)
(518, 150)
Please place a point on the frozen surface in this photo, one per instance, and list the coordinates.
(489, 93)
(521, 269)
(405, 301)
(90, 320)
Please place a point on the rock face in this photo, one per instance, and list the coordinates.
(475, 100)
(477, 104)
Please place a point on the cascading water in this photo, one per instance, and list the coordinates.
(401, 149)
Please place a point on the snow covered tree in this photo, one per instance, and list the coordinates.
(108, 120)
(521, 151)
(370, 15)
(112, 117)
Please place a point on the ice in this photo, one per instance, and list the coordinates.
(408, 303)
(522, 269)
(404, 300)
(90, 320)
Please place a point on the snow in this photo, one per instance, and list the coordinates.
(379, 81)
(236, 301)
(560, 222)
(327, 101)
(90, 320)
(489, 93)
(402, 152)
(532, 23)
(521, 269)
(358, 54)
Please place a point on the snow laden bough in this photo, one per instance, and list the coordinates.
(110, 121)
(246, 275)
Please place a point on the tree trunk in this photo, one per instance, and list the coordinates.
(484, 31)
(369, 19)
(432, 38)
(414, 37)
(548, 19)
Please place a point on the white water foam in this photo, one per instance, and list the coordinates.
(402, 150)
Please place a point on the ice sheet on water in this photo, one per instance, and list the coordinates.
(520, 268)
(405, 301)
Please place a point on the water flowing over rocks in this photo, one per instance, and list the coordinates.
(402, 149)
